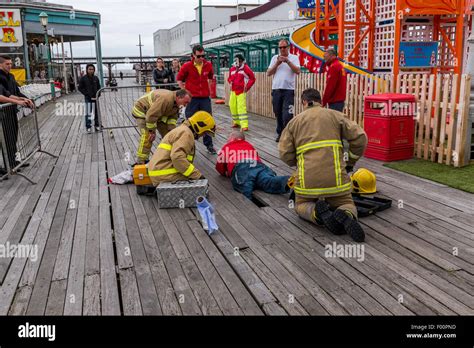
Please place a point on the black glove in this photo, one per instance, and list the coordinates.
(349, 169)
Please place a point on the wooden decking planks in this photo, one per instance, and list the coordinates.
(105, 250)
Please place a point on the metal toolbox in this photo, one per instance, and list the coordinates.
(181, 194)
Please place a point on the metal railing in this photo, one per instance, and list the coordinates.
(115, 104)
(19, 138)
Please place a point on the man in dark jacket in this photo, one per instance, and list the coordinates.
(11, 92)
(161, 75)
(88, 86)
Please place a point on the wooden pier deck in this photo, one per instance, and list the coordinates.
(104, 250)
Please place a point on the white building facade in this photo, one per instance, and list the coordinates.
(177, 40)
(222, 23)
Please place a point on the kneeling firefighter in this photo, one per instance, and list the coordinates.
(312, 141)
(173, 158)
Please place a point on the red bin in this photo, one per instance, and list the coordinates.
(389, 121)
(213, 86)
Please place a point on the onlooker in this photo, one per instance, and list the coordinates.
(284, 67)
(239, 161)
(161, 75)
(195, 77)
(72, 84)
(88, 86)
(241, 79)
(57, 82)
(11, 93)
(336, 81)
(175, 67)
(121, 75)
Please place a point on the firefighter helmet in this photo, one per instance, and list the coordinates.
(364, 181)
(202, 122)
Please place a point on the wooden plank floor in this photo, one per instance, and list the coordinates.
(103, 250)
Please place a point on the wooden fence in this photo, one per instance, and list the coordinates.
(442, 111)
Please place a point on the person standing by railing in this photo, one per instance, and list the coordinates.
(175, 66)
(89, 85)
(11, 93)
(161, 75)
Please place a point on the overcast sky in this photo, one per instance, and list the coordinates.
(124, 20)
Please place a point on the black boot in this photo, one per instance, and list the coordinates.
(351, 225)
(324, 213)
(146, 190)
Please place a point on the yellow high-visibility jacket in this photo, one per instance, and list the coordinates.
(312, 141)
(173, 159)
(157, 106)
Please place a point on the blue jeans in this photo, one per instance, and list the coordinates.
(339, 106)
(200, 104)
(91, 106)
(283, 101)
(247, 177)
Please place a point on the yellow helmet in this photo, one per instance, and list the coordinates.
(364, 181)
(203, 121)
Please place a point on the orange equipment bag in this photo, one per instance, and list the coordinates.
(140, 175)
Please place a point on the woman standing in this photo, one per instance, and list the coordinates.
(161, 75)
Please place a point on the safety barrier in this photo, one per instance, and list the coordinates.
(19, 137)
(114, 104)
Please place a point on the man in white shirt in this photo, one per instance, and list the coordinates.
(284, 68)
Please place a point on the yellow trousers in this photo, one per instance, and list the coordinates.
(304, 207)
(144, 146)
(238, 109)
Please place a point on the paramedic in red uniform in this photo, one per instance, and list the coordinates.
(336, 82)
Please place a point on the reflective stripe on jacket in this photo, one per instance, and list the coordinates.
(157, 106)
(312, 141)
(173, 159)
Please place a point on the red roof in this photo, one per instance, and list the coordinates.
(259, 10)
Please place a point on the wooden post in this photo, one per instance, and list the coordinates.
(421, 119)
(462, 143)
(453, 119)
(428, 117)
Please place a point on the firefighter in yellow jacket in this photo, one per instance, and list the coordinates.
(173, 159)
(158, 109)
(312, 141)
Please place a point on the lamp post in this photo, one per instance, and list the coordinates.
(200, 22)
(43, 16)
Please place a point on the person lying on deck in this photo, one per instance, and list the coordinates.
(239, 161)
